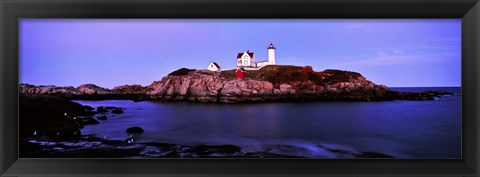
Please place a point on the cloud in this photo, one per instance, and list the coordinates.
(398, 51)
(388, 50)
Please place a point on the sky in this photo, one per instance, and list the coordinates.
(113, 52)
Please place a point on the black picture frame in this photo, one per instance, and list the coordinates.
(12, 10)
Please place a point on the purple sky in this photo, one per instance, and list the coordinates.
(112, 52)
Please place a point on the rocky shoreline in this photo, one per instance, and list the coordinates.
(88, 146)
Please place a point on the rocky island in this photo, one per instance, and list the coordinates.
(274, 83)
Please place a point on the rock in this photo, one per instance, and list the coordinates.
(49, 89)
(88, 108)
(130, 89)
(45, 115)
(277, 92)
(104, 117)
(92, 89)
(134, 130)
(101, 109)
(117, 111)
(87, 120)
(285, 88)
(184, 86)
(112, 107)
(204, 150)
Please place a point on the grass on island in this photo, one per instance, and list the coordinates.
(279, 74)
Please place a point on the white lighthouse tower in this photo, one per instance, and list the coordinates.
(271, 54)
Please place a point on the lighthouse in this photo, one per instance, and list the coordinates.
(271, 54)
(246, 60)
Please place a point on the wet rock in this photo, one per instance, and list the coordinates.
(104, 117)
(87, 120)
(112, 107)
(48, 115)
(101, 109)
(89, 108)
(117, 111)
(134, 130)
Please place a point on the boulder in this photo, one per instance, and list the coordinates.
(44, 115)
(117, 111)
(87, 120)
(88, 108)
(92, 89)
(101, 109)
(104, 117)
(112, 107)
(285, 88)
(134, 130)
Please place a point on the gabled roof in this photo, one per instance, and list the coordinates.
(239, 55)
(218, 66)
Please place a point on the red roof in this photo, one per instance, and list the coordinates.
(239, 55)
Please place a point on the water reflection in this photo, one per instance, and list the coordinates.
(258, 121)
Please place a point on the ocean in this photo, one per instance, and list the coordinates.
(402, 129)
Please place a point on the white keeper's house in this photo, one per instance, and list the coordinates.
(246, 59)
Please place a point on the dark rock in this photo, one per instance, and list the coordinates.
(101, 109)
(48, 116)
(87, 120)
(117, 111)
(181, 71)
(104, 117)
(112, 107)
(130, 89)
(89, 108)
(134, 130)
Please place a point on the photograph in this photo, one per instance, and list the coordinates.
(240, 88)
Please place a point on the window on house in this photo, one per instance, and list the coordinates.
(245, 62)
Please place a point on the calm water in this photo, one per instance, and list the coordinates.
(404, 129)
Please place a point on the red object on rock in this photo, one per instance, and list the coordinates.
(240, 72)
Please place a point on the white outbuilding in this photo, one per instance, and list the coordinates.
(214, 67)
